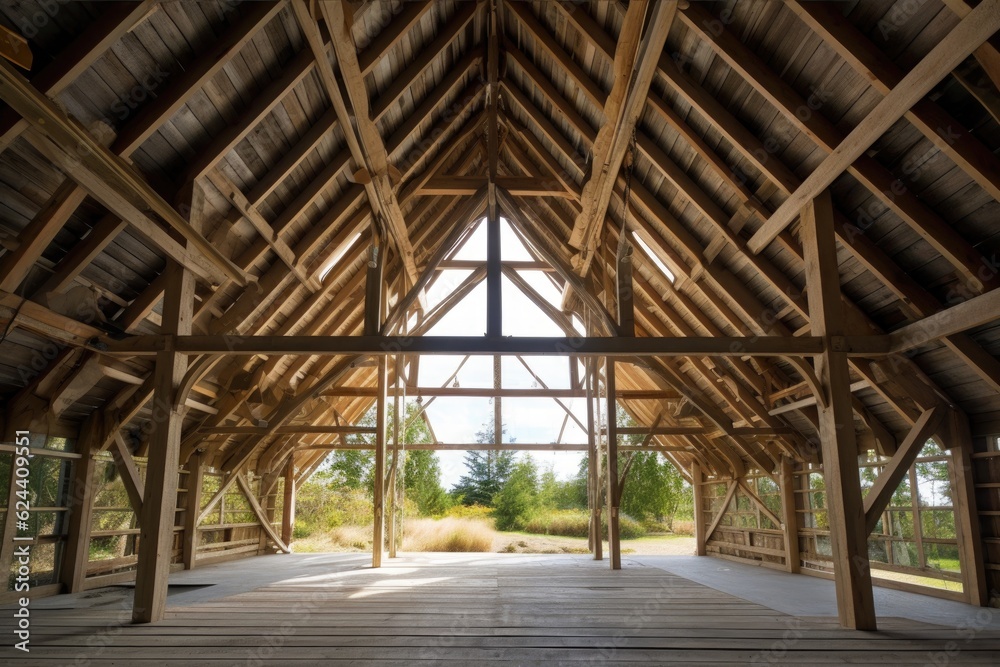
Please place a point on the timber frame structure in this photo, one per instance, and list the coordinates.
(773, 226)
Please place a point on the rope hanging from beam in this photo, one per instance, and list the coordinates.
(624, 253)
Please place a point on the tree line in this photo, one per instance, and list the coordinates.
(509, 484)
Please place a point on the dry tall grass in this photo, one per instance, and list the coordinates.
(448, 534)
(683, 527)
(341, 538)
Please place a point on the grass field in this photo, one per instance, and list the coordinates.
(452, 534)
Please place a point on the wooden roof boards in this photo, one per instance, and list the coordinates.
(746, 101)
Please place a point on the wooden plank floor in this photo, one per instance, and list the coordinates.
(469, 609)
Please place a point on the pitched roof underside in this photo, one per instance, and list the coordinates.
(746, 101)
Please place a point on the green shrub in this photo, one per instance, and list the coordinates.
(460, 511)
(568, 523)
(652, 526)
(576, 523)
(518, 497)
(320, 508)
(628, 528)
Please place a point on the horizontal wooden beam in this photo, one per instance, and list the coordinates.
(701, 430)
(522, 186)
(811, 400)
(489, 447)
(431, 392)
(471, 264)
(560, 346)
(6, 448)
(285, 430)
(34, 317)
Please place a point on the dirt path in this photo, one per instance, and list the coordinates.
(526, 543)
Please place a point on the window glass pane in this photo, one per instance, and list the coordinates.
(933, 484)
(878, 548)
(823, 547)
(47, 475)
(905, 554)
(942, 557)
(902, 497)
(818, 520)
(41, 523)
(5, 460)
(901, 524)
(938, 524)
(931, 449)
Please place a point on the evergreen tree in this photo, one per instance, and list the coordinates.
(488, 472)
(517, 499)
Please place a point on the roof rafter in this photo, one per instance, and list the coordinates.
(847, 152)
(642, 195)
(940, 127)
(366, 144)
(983, 363)
(634, 66)
(180, 87)
(913, 296)
(116, 20)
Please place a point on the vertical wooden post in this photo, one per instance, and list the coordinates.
(789, 516)
(593, 464)
(614, 541)
(160, 497)
(848, 537)
(698, 489)
(494, 278)
(81, 512)
(497, 402)
(494, 281)
(288, 503)
(918, 532)
(398, 419)
(192, 508)
(963, 494)
(378, 532)
(8, 530)
(392, 523)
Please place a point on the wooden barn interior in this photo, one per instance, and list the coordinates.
(772, 232)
